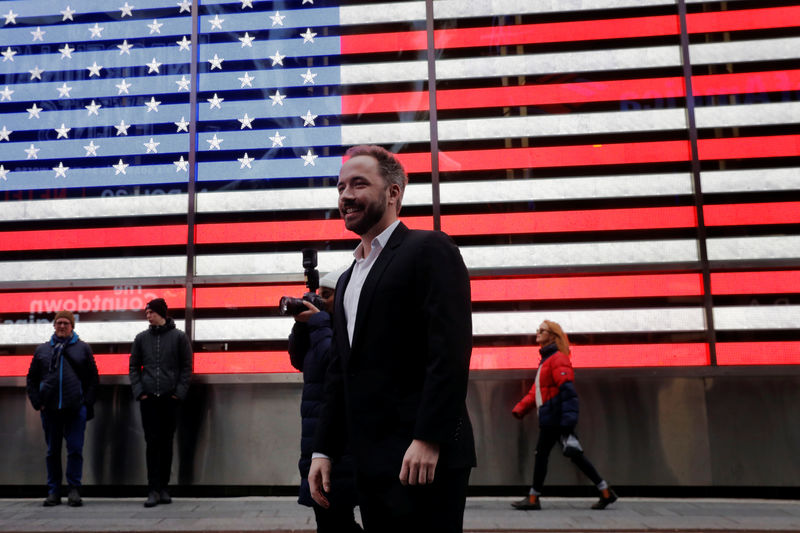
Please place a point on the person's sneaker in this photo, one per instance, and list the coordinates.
(528, 503)
(607, 497)
(152, 499)
(164, 497)
(52, 500)
(74, 497)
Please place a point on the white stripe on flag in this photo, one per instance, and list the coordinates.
(753, 248)
(749, 317)
(767, 179)
(118, 206)
(109, 268)
(91, 332)
(736, 51)
(748, 115)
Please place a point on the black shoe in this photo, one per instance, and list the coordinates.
(152, 499)
(528, 503)
(74, 497)
(52, 500)
(164, 497)
(607, 497)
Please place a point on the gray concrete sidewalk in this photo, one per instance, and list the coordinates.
(282, 514)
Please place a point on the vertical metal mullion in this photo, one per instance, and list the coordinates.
(191, 189)
(432, 116)
(708, 303)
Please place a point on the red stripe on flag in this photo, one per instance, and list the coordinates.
(593, 220)
(743, 19)
(748, 82)
(602, 356)
(749, 147)
(85, 301)
(758, 353)
(774, 282)
(93, 238)
(752, 214)
(589, 287)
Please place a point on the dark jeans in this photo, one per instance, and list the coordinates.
(337, 519)
(59, 425)
(548, 437)
(389, 507)
(159, 419)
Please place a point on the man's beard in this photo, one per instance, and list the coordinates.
(371, 215)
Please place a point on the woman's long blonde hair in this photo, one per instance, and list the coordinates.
(561, 338)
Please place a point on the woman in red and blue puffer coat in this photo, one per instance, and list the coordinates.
(553, 393)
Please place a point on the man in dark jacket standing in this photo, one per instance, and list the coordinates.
(62, 385)
(160, 370)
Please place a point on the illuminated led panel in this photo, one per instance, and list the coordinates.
(758, 353)
(111, 268)
(784, 247)
(66, 208)
(757, 317)
(752, 214)
(773, 282)
(84, 301)
(94, 238)
(771, 179)
(242, 363)
(92, 332)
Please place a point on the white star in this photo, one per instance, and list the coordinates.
(11, 17)
(68, 14)
(94, 70)
(247, 3)
(185, 5)
(96, 30)
(38, 34)
(6, 93)
(32, 151)
(183, 83)
(308, 119)
(245, 161)
(216, 62)
(91, 149)
(34, 111)
(308, 36)
(214, 143)
(277, 19)
(184, 44)
(247, 40)
(93, 108)
(36, 73)
(122, 128)
(152, 105)
(151, 146)
(120, 167)
(125, 48)
(123, 87)
(3, 173)
(61, 170)
(62, 131)
(9, 54)
(277, 98)
(216, 22)
(153, 66)
(308, 77)
(181, 164)
(126, 10)
(155, 26)
(277, 59)
(247, 79)
(63, 91)
(215, 102)
(5, 134)
(309, 158)
(246, 122)
(308, 1)
(183, 125)
(277, 139)
(66, 51)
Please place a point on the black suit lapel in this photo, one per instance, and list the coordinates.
(374, 277)
(339, 319)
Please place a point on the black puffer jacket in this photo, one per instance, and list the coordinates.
(309, 351)
(161, 362)
(63, 378)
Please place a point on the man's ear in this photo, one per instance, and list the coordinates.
(395, 194)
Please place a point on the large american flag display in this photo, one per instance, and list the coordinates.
(628, 168)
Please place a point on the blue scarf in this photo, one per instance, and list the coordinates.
(57, 360)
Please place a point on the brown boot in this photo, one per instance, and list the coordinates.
(528, 503)
(607, 497)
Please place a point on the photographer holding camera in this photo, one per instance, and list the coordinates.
(309, 351)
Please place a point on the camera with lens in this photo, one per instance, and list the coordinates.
(294, 306)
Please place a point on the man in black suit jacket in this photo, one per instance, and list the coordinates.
(402, 345)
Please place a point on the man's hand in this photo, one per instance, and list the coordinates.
(419, 463)
(319, 480)
(305, 315)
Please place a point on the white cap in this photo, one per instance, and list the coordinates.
(329, 280)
